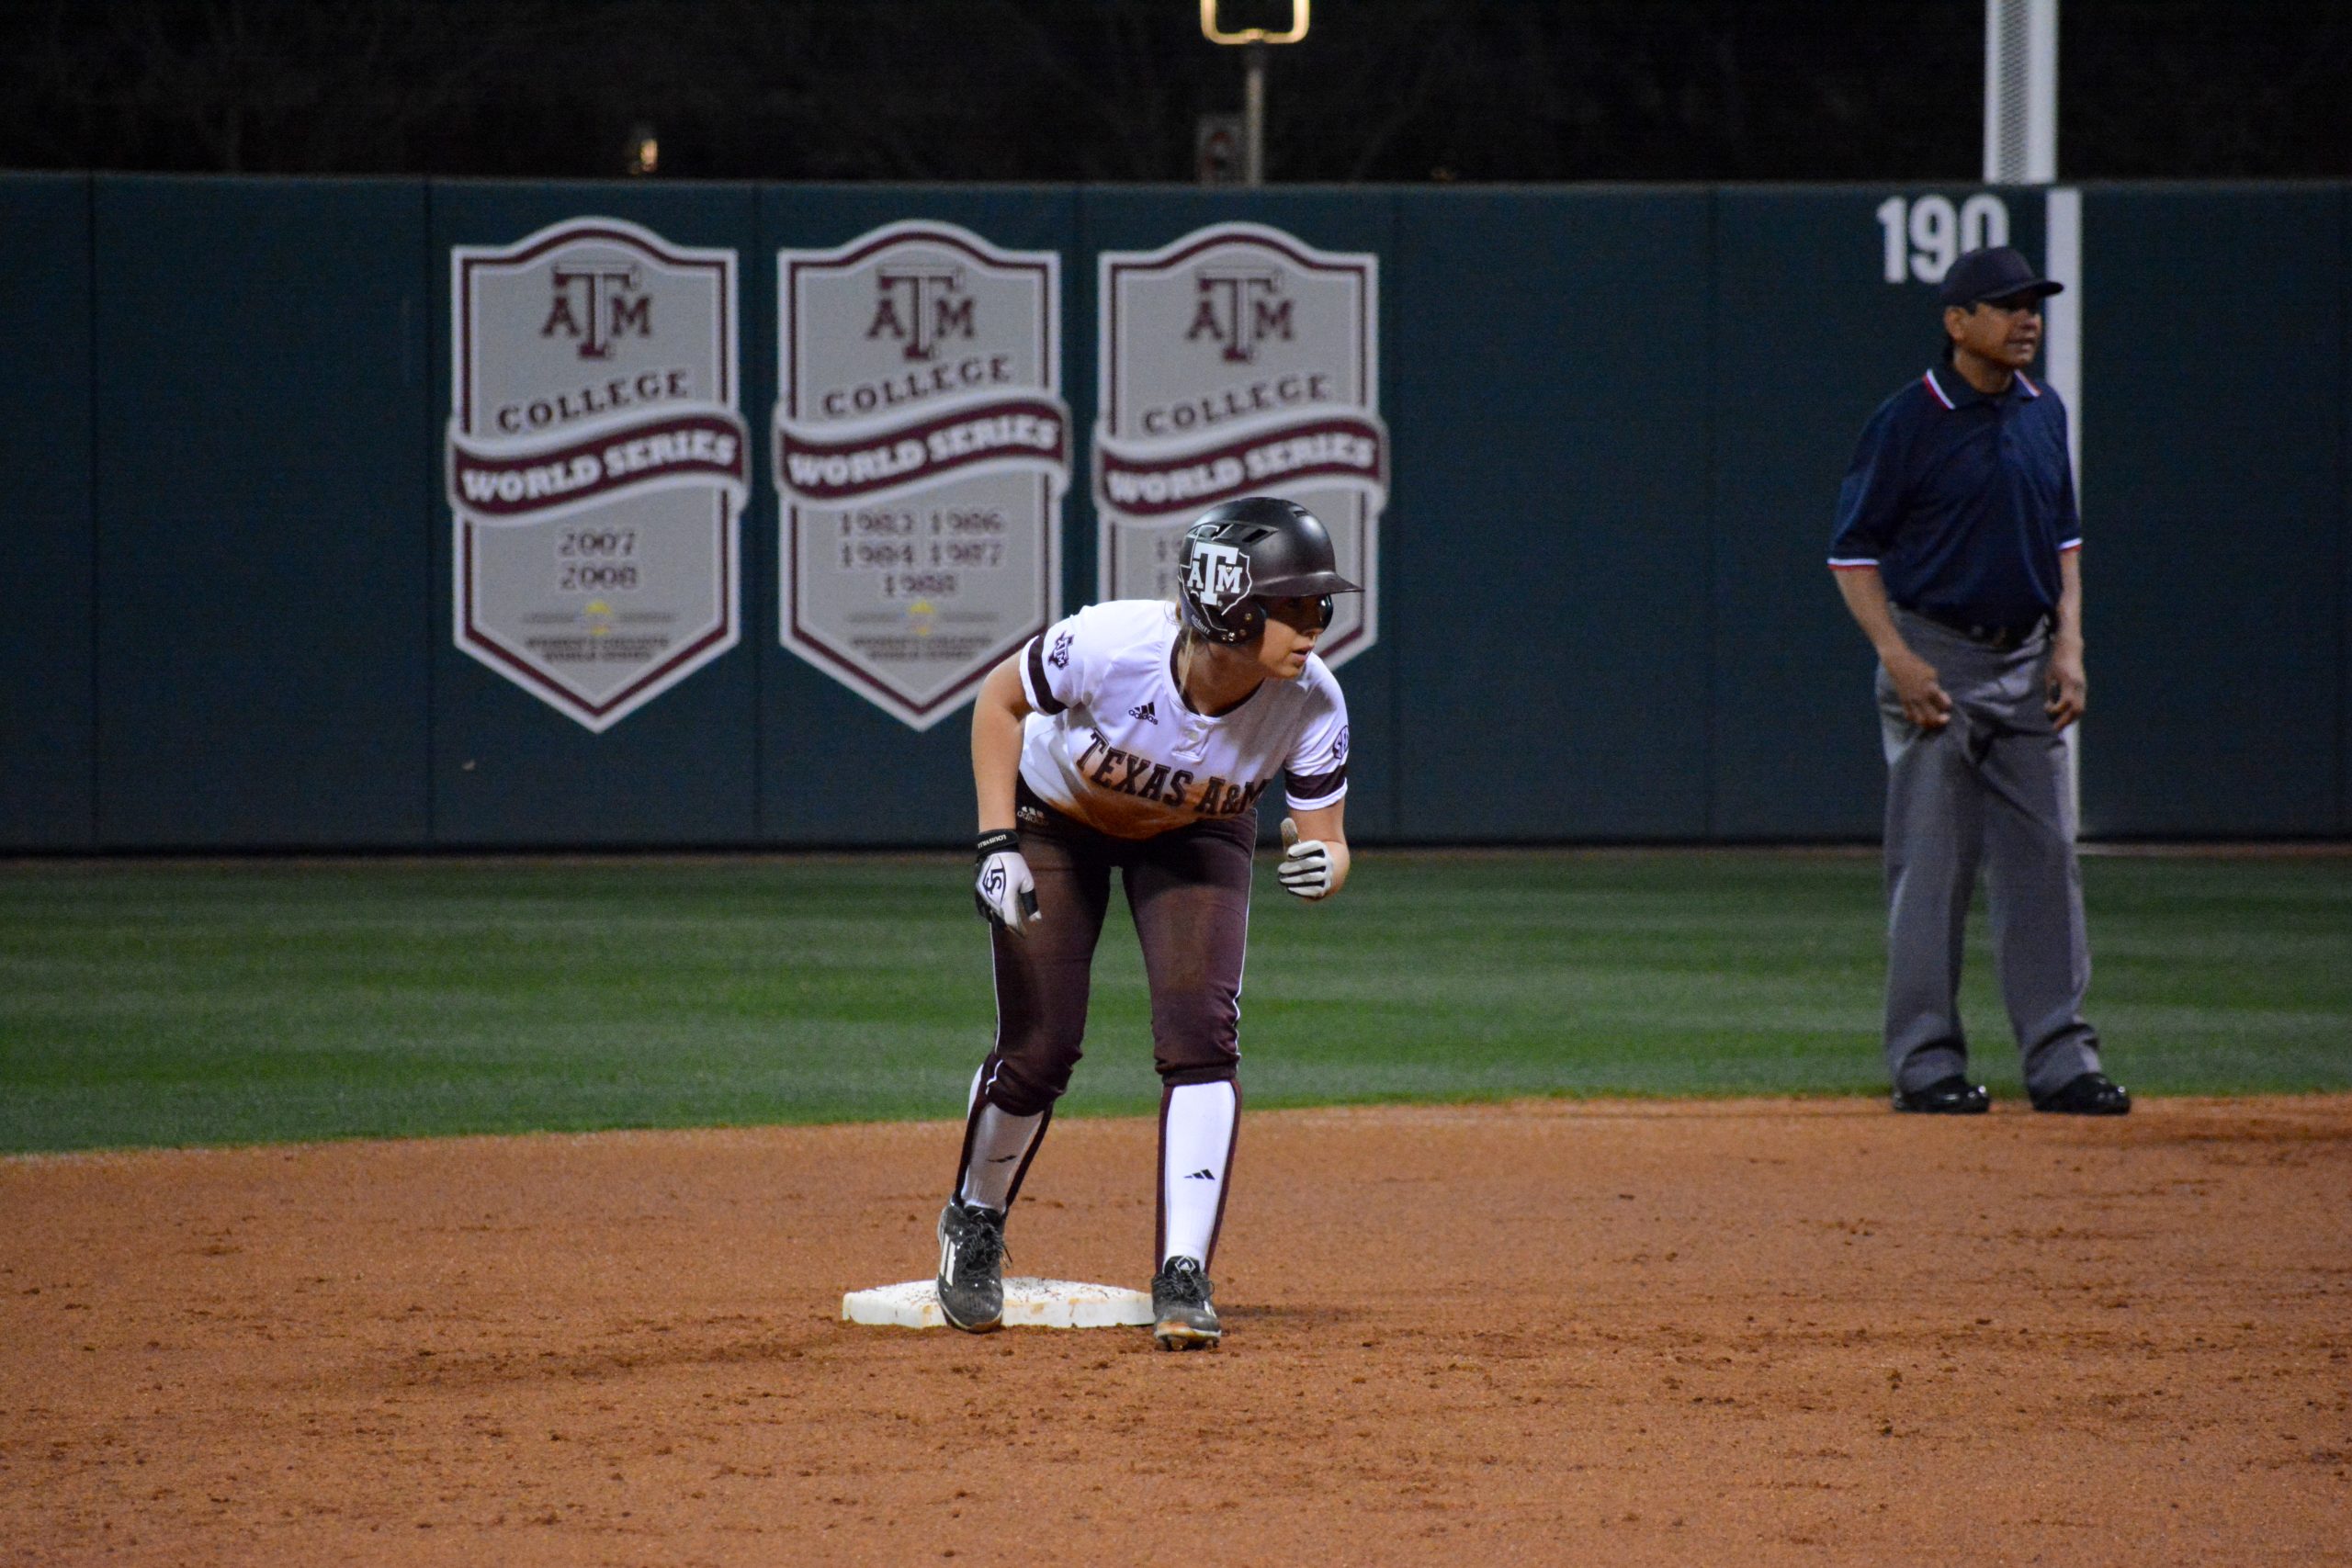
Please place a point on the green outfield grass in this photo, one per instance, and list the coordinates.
(148, 1003)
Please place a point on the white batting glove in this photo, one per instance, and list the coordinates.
(1003, 887)
(1306, 869)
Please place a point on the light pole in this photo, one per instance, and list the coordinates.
(1253, 82)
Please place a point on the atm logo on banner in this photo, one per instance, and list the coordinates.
(920, 307)
(597, 462)
(611, 303)
(1234, 361)
(1239, 307)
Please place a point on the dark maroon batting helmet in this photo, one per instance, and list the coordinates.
(1245, 552)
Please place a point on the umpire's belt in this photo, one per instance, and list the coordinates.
(1992, 635)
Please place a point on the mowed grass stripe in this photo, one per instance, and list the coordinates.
(145, 1003)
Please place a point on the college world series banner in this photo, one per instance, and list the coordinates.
(596, 462)
(922, 452)
(1240, 361)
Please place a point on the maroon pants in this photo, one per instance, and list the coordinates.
(1188, 891)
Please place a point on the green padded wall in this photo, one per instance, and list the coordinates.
(263, 453)
(48, 706)
(2213, 510)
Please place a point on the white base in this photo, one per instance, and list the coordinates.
(1028, 1303)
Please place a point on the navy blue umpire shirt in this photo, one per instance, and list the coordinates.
(1962, 501)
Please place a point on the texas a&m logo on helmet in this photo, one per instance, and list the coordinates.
(1215, 574)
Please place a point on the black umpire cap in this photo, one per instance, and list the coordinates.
(1996, 271)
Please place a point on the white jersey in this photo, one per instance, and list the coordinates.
(1113, 744)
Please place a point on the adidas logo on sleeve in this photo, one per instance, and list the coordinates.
(1149, 712)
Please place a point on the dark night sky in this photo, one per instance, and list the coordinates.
(1111, 90)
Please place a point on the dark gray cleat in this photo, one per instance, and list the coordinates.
(971, 1267)
(1182, 1316)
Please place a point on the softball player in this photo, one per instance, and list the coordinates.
(1139, 735)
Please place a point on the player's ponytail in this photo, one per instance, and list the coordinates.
(1185, 644)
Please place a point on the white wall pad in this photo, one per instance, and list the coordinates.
(1029, 1303)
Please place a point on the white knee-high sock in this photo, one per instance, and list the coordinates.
(999, 1144)
(1196, 1150)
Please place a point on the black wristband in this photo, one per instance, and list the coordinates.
(997, 841)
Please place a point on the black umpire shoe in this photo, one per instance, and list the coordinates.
(971, 1267)
(1182, 1316)
(1954, 1096)
(2093, 1094)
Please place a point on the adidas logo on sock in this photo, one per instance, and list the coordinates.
(1148, 712)
(1203, 1174)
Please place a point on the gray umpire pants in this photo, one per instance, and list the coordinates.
(1988, 789)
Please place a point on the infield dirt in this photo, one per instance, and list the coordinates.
(1608, 1333)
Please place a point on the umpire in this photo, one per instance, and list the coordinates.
(1959, 553)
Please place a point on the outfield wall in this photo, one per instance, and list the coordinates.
(1619, 417)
